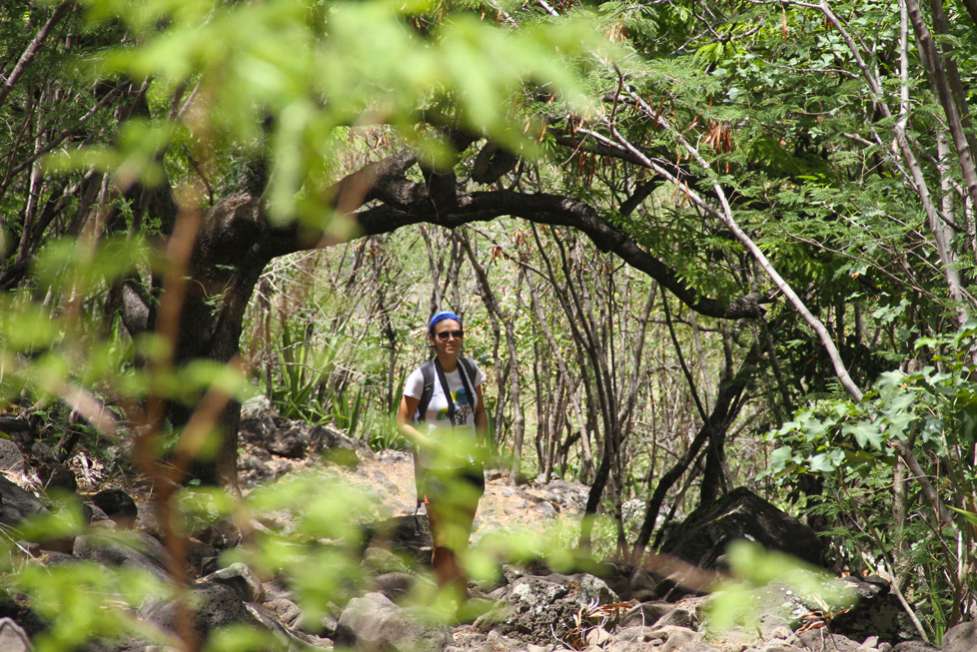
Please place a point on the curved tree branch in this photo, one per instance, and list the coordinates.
(540, 208)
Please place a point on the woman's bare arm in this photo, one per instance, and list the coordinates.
(405, 418)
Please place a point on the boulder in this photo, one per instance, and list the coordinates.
(16, 504)
(262, 427)
(374, 623)
(961, 638)
(136, 550)
(703, 537)
(559, 495)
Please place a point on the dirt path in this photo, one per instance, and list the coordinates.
(390, 476)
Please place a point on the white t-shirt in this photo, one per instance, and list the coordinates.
(437, 409)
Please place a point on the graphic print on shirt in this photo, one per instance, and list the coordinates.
(463, 408)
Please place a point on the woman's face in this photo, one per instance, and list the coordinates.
(447, 337)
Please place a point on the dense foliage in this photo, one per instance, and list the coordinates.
(734, 246)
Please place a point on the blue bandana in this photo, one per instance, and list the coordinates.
(441, 316)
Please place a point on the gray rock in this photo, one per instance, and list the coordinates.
(877, 612)
(284, 610)
(466, 639)
(646, 614)
(374, 623)
(703, 537)
(565, 497)
(12, 637)
(961, 638)
(257, 407)
(11, 459)
(661, 639)
(289, 639)
(680, 616)
(330, 439)
(822, 639)
(394, 585)
(919, 646)
(537, 608)
(16, 504)
(136, 549)
(241, 578)
(546, 510)
(214, 605)
(262, 427)
(292, 441)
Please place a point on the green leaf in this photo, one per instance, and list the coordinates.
(866, 434)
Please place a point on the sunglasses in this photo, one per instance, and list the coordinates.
(444, 335)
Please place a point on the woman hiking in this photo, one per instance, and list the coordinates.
(443, 414)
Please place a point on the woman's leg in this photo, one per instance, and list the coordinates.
(451, 517)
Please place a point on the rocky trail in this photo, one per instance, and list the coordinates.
(530, 607)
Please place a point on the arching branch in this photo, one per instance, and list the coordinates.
(540, 208)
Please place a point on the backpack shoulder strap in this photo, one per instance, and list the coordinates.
(469, 366)
(471, 371)
(427, 373)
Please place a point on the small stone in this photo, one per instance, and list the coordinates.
(12, 637)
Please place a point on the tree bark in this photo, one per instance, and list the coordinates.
(32, 49)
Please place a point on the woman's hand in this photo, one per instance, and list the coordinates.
(405, 418)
